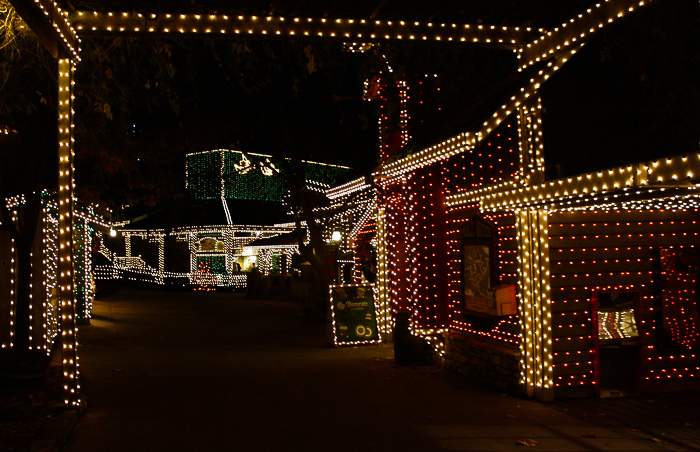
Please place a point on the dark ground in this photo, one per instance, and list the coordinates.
(25, 415)
(215, 371)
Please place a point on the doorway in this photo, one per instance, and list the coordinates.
(616, 340)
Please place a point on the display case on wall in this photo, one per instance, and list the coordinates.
(480, 293)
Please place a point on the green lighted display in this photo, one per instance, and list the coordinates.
(230, 174)
(215, 262)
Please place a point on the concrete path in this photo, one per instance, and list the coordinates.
(210, 371)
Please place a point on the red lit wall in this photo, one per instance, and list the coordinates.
(618, 251)
(422, 267)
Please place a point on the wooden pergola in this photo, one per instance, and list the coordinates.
(59, 31)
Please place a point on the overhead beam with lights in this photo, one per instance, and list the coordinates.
(663, 177)
(361, 30)
(50, 25)
(575, 31)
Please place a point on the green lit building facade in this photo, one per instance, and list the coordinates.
(229, 174)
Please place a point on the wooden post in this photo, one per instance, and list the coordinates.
(384, 323)
(535, 307)
(66, 206)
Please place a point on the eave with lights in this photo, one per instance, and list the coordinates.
(90, 23)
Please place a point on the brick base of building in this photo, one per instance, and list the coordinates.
(487, 362)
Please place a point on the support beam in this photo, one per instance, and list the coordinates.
(535, 306)
(50, 25)
(665, 177)
(576, 31)
(384, 322)
(269, 27)
(66, 203)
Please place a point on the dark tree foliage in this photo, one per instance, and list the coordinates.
(120, 84)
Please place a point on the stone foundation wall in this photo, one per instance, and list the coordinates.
(488, 362)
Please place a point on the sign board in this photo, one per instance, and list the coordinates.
(354, 316)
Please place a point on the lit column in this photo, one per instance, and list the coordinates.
(127, 243)
(382, 287)
(65, 232)
(192, 245)
(535, 307)
(158, 237)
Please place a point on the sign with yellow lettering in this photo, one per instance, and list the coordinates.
(354, 316)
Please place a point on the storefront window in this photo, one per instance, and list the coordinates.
(616, 316)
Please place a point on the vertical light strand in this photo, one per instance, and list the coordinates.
(127, 243)
(66, 204)
(37, 292)
(535, 305)
(81, 268)
(192, 244)
(51, 267)
(88, 271)
(525, 305)
(161, 257)
(383, 303)
(32, 275)
(530, 132)
(12, 294)
(544, 308)
(44, 278)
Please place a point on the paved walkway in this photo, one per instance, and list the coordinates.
(209, 371)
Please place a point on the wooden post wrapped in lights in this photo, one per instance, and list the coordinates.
(65, 225)
(535, 305)
(383, 303)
